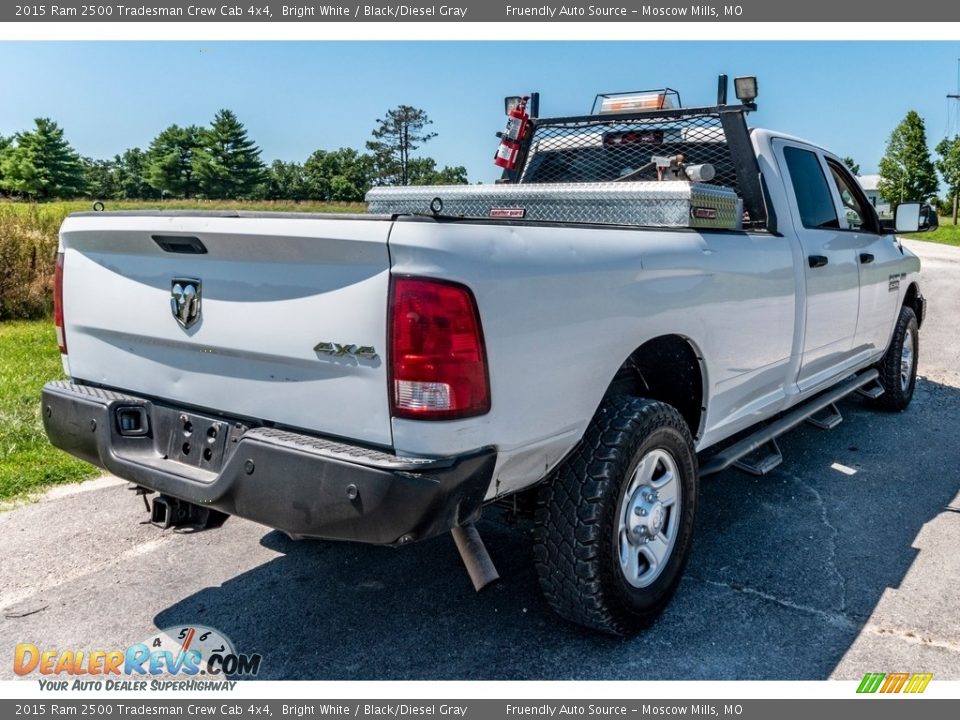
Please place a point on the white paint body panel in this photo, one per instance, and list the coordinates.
(562, 307)
(272, 288)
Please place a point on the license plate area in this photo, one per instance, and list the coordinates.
(198, 441)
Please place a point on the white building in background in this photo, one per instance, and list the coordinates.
(869, 184)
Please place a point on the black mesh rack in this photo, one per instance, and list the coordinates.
(608, 148)
(615, 149)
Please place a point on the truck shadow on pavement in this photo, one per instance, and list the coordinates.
(786, 572)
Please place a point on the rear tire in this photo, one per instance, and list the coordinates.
(898, 368)
(613, 527)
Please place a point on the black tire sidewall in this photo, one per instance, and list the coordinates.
(642, 602)
(914, 330)
(895, 397)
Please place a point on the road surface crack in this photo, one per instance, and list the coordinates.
(832, 543)
(843, 621)
(836, 619)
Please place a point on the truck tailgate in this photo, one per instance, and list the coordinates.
(285, 304)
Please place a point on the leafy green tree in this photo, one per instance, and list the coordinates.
(948, 163)
(343, 174)
(906, 170)
(41, 164)
(396, 136)
(131, 171)
(101, 179)
(228, 163)
(170, 159)
(285, 181)
(852, 165)
(423, 171)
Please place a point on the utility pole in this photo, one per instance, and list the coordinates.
(956, 191)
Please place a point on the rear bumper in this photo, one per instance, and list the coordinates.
(302, 484)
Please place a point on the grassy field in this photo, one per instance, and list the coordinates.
(28, 463)
(947, 233)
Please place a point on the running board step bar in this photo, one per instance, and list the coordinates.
(757, 464)
(828, 419)
(729, 456)
(872, 391)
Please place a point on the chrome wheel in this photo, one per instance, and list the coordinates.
(906, 361)
(649, 518)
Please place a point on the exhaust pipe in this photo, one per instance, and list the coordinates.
(475, 556)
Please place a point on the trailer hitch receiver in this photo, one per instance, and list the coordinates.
(167, 512)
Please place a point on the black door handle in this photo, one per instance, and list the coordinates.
(817, 260)
(866, 258)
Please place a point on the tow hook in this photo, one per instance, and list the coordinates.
(475, 557)
(167, 512)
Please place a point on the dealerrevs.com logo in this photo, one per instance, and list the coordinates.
(189, 657)
(889, 683)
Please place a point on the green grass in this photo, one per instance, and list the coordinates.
(947, 233)
(28, 462)
(53, 213)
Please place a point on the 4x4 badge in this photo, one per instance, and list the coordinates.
(185, 300)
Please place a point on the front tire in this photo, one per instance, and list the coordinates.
(614, 526)
(898, 368)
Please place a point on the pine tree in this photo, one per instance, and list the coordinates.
(852, 165)
(906, 171)
(228, 164)
(41, 164)
(170, 161)
(398, 134)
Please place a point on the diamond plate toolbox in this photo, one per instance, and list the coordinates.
(649, 204)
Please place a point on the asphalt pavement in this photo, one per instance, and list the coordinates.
(842, 561)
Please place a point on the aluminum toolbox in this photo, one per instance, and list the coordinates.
(649, 204)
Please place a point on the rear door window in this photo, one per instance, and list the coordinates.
(810, 187)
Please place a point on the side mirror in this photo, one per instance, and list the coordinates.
(907, 218)
(915, 217)
(510, 102)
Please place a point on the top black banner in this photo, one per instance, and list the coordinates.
(934, 11)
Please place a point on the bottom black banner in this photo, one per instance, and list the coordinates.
(872, 707)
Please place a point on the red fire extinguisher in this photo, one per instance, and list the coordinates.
(511, 137)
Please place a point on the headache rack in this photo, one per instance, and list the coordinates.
(603, 148)
(608, 169)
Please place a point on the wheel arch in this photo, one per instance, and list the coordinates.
(669, 368)
(912, 300)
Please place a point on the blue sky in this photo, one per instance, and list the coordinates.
(296, 97)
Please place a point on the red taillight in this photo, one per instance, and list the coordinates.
(438, 365)
(58, 304)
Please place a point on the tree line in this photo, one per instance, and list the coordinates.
(220, 161)
(908, 172)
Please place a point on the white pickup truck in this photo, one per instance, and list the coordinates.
(653, 295)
